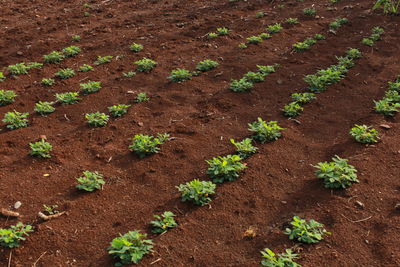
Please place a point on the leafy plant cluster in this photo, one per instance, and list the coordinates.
(12, 237)
(375, 36)
(23, 68)
(90, 181)
(225, 168)
(198, 192)
(388, 6)
(163, 222)
(337, 23)
(295, 107)
(7, 97)
(41, 149)
(97, 119)
(181, 75)
(15, 120)
(247, 82)
(307, 43)
(222, 31)
(144, 145)
(364, 134)
(309, 232)
(265, 131)
(286, 259)
(58, 56)
(389, 105)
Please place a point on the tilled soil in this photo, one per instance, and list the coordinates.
(202, 115)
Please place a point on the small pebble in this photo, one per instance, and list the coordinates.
(17, 205)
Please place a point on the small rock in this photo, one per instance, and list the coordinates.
(397, 206)
(385, 126)
(17, 205)
(43, 137)
(140, 124)
(130, 92)
(284, 202)
(279, 81)
(360, 204)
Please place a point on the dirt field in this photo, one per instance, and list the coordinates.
(202, 115)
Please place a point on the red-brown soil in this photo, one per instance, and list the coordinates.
(203, 115)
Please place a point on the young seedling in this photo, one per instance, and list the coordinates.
(292, 109)
(163, 222)
(254, 40)
(71, 51)
(303, 98)
(23, 68)
(75, 38)
(226, 168)
(319, 37)
(97, 119)
(136, 47)
(2, 77)
(145, 65)
(212, 35)
(244, 148)
(206, 65)
(144, 145)
(310, 12)
(7, 97)
(264, 36)
(339, 22)
(274, 28)
(387, 107)
(292, 21)
(118, 110)
(242, 85)
(337, 173)
(102, 60)
(65, 73)
(242, 46)
(180, 75)
(50, 209)
(222, 31)
(48, 81)
(354, 53)
(53, 57)
(364, 134)
(254, 77)
(90, 181)
(44, 108)
(367, 41)
(130, 248)
(260, 14)
(389, 6)
(310, 232)
(270, 259)
(265, 131)
(11, 237)
(265, 70)
(85, 68)
(68, 98)
(128, 74)
(198, 192)
(41, 149)
(90, 87)
(16, 120)
(142, 97)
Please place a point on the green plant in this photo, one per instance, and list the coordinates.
(242, 85)
(292, 109)
(145, 65)
(48, 81)
(90, 87)
(212, 35)
(281, 6)
(242, 46)
(68, 98)
(375, 37)
(163, 222)
(377, 30)
(319, 37)
(254, 77)
(2, 77)
(41, 149)
(265, 131)
(16, 120)
(198, 192)
(102, 60)
(136, 47)
(50, 209)
(364, 134)
(367, 41)
(128, 74)
(7, 97)
(337, 173)
(301, 46)
(65, 73)
(270, 259)
(345, 62)
(394, 86)
(90, 181)
(292, 21)
(310, 232)
(353, 53)
(387, 107)
(85, 68)
(180, 75)
(130, 248)
(267, 69)
(274, 28)
(339, 22)
(303, 98)
(254, 40)
(264, 35)
(118, 110)
(23, 68)
(206, 65)
(310, 12)
(142, 97)
(97, 119)
(71, 51)
(244, 148)
(53, 57)
(86, 14)
(11, 237)
(75, 38)
(44, 108)
(226, 168)
(144, 145)
(222, 31)
(389, 6)
(260, 14)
